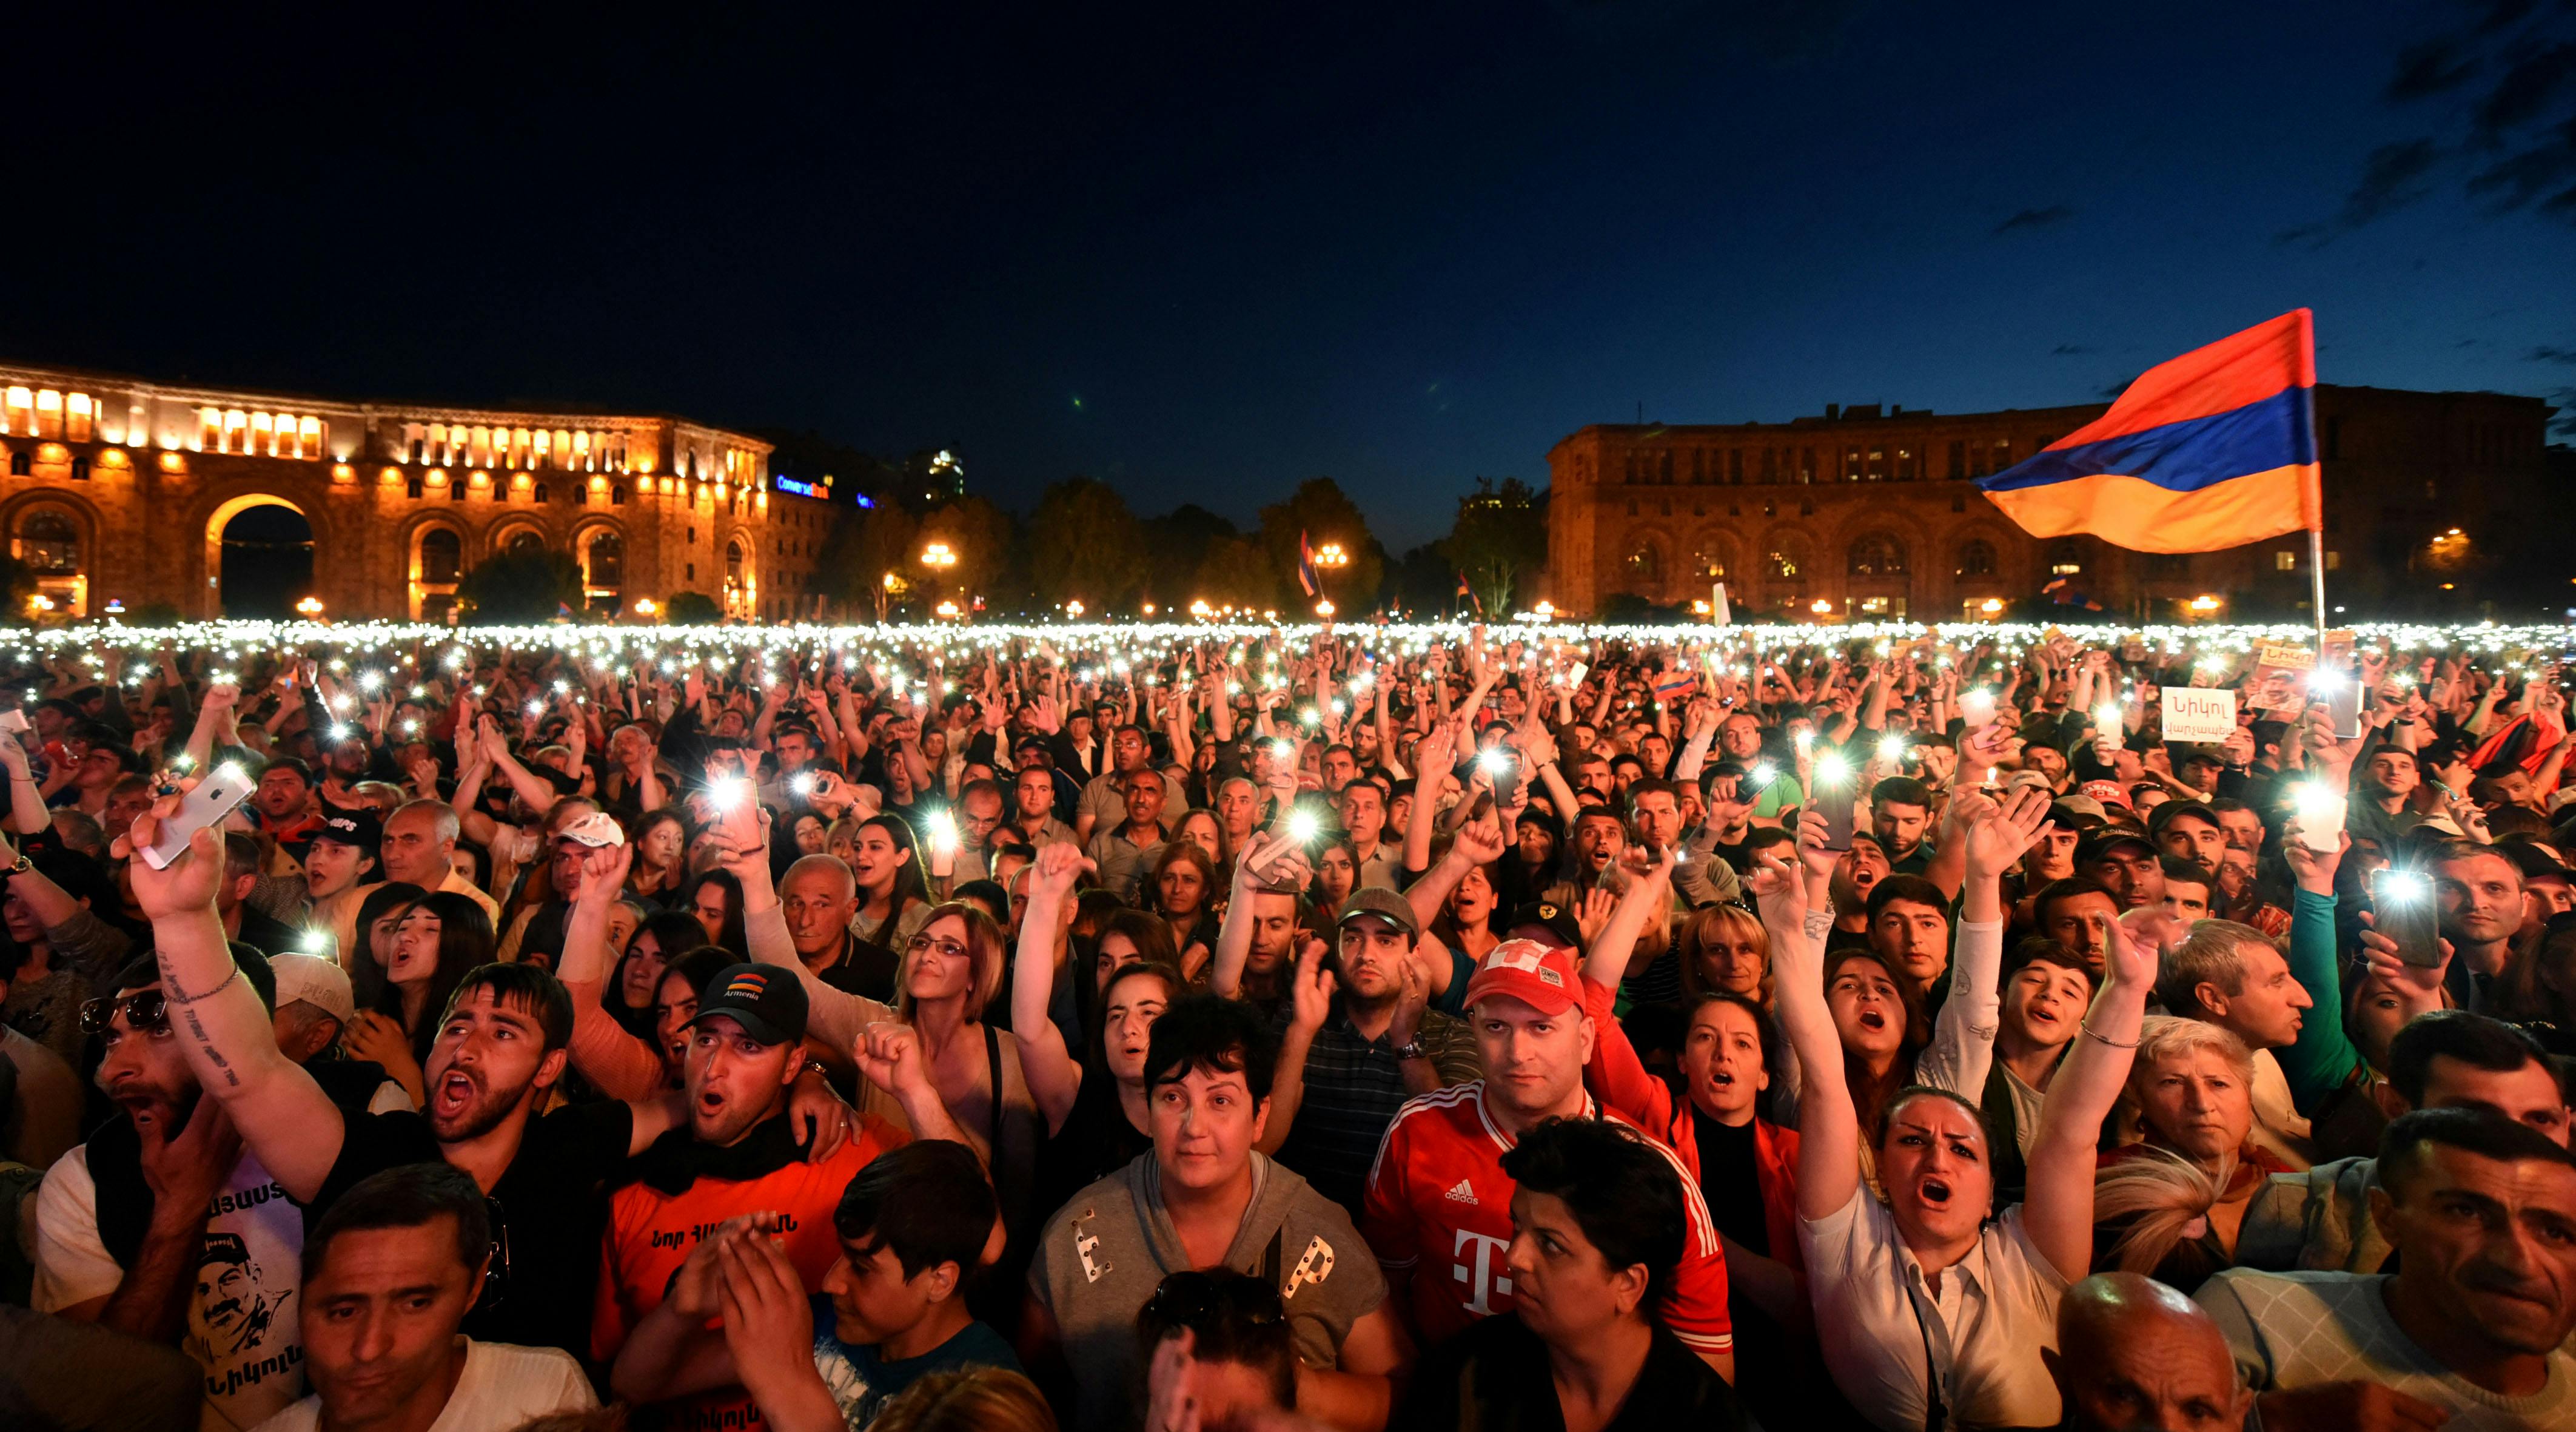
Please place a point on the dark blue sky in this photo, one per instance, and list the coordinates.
(1204, 256)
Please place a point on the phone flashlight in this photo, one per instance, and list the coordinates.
(943, 832)
(803, 784)
(316, 940)
(2106, 717)
(1303, 827)
(1804, 738)
(1762, 774)
(1283, 751)
(729, 794)
(1832, 770)
(2401, 886)
(1494, 761)
(1891, 748)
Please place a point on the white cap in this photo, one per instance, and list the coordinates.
(316, 981)
(596, 830)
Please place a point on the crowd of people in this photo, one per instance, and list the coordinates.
(1271, 1029)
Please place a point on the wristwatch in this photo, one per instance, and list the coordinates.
(1411, 1049)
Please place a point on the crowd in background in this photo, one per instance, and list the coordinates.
(1252, 1028)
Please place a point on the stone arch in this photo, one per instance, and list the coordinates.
(1644, 565)
(1787, 555)
(220, 517)
(57, 535)
(435, 560)
(510, 533)
(599, 550)
(1711, 556)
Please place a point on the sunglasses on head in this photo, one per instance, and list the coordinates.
(147, 1013)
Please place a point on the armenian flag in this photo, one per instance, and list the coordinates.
(1306, 574)
(2213, 449)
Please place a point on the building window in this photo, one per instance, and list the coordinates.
(1709, 562)
(1645, 564)
(48, 544)
(1877, 555)
(1786, 560)
(617, 495)
(541, 492)
(2064, 560)
(80, 469)
(412, 487)
(19, 464)
(1976, 558)
(2285, 560)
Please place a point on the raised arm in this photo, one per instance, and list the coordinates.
(836, 1017)
(1432, 759)
(2057, 1210)
(223, 1029)
(1963, 1041)
(1054, 1075)
(1828, 1129)
(2322, 1059)
(1646, 898)
(1270, 861)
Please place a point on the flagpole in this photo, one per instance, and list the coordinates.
(2316, 495)
(2317, 582)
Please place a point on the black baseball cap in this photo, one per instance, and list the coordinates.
(357, 826)
(1547, 915)
(766, 1000)
(2102, 842)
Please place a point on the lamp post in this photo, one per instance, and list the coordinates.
(645, 607)
(940, 558)
(311, 607)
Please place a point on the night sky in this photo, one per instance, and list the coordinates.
(1204, 256)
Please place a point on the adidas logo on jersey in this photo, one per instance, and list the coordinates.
(1462, 1193)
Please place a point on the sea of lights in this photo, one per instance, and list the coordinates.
(1115, 650)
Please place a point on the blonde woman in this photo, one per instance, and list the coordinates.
(2170, 1204)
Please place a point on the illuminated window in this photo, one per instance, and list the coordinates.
(2285, 560)
(49, 413)
(603, 567)
(1976, 559)
(18, 415)
(77, 417)
(48, 543)
(1786, 560)
(263, 438)
(540, 443)
(236, 432)
(308, 438)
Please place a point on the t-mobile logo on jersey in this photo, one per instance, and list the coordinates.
(1487, 1277)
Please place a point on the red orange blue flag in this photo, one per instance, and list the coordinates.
(2213, 449)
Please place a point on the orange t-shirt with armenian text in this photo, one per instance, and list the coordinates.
(650, 1234)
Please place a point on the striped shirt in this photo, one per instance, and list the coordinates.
(1354, 1089)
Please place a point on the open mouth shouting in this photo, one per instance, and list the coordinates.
(1934, 1192)
(453, 1096)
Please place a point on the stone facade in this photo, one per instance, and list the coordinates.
(1876, 514)
(122, 491)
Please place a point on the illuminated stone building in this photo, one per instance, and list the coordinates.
(123, 493)
(1875, 514)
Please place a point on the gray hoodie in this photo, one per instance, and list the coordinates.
(1103, 1254)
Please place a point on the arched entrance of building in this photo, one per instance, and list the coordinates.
(264, 557)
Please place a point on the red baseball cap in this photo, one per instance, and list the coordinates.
(1547, 980)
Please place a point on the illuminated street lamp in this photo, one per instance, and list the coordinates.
(1073, 609)
(311, 607)
(1199, 609)
(1324, 609)
(645, 608)
(938, 556)
(1821, 607)
(1331, 556)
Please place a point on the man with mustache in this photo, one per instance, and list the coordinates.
(125, 1222)
(2481, 1211)
(500, 1050)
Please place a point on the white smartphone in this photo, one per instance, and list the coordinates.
(13, 720)
(212, 800)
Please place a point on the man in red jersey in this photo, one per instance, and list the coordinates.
(1438, 1209)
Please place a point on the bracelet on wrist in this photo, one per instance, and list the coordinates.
(2087, 1027)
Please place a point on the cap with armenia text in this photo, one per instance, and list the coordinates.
(766, 1000)
(1544, 979)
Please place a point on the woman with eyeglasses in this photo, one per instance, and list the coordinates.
(950, 973)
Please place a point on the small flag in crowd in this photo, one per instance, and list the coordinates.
(1468, 595)
(2213, 449)
(1306, 576)
(1674, 683)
